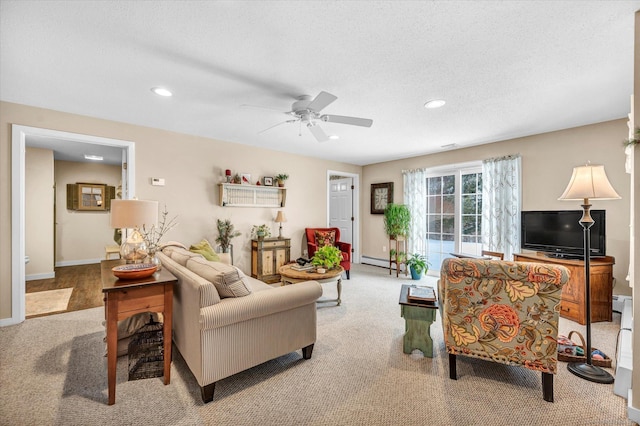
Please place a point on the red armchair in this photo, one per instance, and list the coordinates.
(317, 237)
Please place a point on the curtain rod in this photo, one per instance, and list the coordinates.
(506, 157)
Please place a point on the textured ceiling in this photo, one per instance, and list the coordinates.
(506, 68)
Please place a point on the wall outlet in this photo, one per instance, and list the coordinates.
(384, 248)
(157, 181)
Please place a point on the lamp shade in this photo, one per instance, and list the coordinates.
(133, 213)
(280, 217)
(589, 181)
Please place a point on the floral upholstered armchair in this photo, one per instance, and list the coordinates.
(318, 237)
(505, 312)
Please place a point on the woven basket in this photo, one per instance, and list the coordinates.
(606, 363)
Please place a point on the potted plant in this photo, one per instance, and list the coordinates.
(225, 234)
(281, 178)
(326, 257)
(397, 219)
(418, 265)
(260, 231)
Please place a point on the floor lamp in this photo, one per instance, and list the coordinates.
(589, 182)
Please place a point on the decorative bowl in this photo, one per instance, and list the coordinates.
(134, 271)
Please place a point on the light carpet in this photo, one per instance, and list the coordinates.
(52, 371)
(48, 301)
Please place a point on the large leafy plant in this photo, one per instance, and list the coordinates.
(419, 263)
(327, 257)
(397, 220)
(225, 233)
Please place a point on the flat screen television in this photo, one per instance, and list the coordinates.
(559, 233)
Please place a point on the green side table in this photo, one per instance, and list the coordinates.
(418, 319)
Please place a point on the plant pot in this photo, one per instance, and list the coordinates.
(260, 235)
(414, 274)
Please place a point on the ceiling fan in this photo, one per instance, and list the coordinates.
(307, 111)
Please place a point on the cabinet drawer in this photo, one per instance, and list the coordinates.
(572, 311)
(270, 244)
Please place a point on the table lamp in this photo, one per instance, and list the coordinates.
(280, 217)
(588, 182)
(133, 214)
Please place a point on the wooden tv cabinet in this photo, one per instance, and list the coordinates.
(573, 305)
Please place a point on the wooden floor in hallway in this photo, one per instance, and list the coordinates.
(85, 281)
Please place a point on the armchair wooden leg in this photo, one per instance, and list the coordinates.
(306, 351)
(452, 367)
(348, 276)
(207, 392)
(547, 387)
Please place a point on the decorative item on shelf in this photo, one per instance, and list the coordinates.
(227, 176)
(133, 214)
(381, 196)
(326, 257)
(154, 234)
(588, 182)
(260, 231)
(246, 179)
(226, 233)
(280, 218)
(268, 181)
(397, 220)
(258, 182)
(418, 265)
(237, 178)
(281, 178)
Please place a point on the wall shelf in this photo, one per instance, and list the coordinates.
(236, 195)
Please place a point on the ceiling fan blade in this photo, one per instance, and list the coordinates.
(364, 122)
(317, 132)
(276, 125)
(322, 100)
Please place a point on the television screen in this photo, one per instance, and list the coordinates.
(560, 232)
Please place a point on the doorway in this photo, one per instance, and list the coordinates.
(343, 208)
(20, 134)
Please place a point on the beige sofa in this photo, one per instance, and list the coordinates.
(221, 336)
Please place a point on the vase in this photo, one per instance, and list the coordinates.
(153, 258)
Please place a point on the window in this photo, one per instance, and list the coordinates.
(454, 214)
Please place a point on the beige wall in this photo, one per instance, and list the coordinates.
(82, 235)
(191, 166)
(547, 163)
(39, 172)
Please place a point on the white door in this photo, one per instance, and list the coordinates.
(341, 208)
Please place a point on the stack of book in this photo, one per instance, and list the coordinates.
(422, 294)
(306, 267)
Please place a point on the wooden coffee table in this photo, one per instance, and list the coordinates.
(418, 318)
(291, 276)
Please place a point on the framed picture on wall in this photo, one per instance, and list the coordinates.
(381, 195)
(268, 181)
(246, 178)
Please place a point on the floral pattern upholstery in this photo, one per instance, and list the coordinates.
(501, 311)
(325, 238)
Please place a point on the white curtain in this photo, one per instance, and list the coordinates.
(415, 197)
(501, 205)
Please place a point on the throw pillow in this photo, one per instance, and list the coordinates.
(325, 238)
(224, 277)
(205, 249)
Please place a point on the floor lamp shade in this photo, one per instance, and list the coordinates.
(588, 182)
(133, 214)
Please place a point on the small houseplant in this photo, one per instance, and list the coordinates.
(418, 264)
(397, 219)
(281, 178)
(260, 231)
(225, 233)
(326, 257)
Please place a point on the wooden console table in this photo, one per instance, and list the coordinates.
(573, 304)
(124, 298)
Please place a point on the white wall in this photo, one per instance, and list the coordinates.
(39, 213)
(82, 235)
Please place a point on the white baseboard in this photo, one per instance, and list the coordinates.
(632, 412)
(45, 276)
(78, 262)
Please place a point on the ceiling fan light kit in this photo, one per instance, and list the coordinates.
(307, 111)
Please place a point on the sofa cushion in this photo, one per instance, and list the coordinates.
(181, 255)
(225, 278)
(325, 238)
(205, 249)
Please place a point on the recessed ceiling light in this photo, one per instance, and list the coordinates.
(334, 137)
(161, 91)
(93, 157)
(436, 103)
